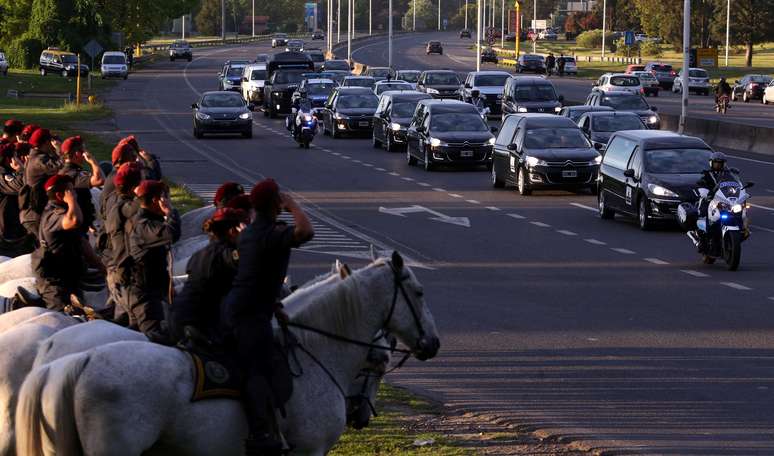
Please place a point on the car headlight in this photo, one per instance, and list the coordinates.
(202, 116)
(557, 109)
(661, 191)
(737, 208)
(432, 91)
(277, 94)
(340, 116)
(307, 117)
(490, 142)
(226, 82)
(522, 109)
(395, 126)
(597, 160)
(652, 119)
(244, 115)
(534, 161)
(435, 142)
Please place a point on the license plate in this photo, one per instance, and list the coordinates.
(363, 124)
(466, 153)
(570, 173)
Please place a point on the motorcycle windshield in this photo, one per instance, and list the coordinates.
(730, 189)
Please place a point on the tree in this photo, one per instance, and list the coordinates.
(14, 19)
(427, 15)
(208, 18)
(66, 23)
(752, 22)
(458, 20)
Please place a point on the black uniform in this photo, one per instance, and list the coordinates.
(121, 212)
(11, 183)
(264, 254)
(550, 62)
(32, 198)
(58, 261)
(211, 272)
(151, 169)
(82, 185)
(150, 239)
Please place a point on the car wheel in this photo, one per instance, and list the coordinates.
(764, 100)
(388, 145)
(645, 222)
(745, 98)
(496, 181)
(126, 77)
(334, 133)
(410, 159)
(375, 142)
(733, 95)
(522, 185)
(64, 73)
(605, 212)
(197, 133)
(428, 164)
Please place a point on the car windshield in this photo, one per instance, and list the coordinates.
(409, 77)
(697, 74)
(320, 88)
(676, 161)
(316, 57)
(392, 86)
(575, 114)
(113, 60)
(294, 43)
(567, 59)
(380, 72)
(287, 77)
(617, 123)
(632, 102)
(336, 65)
(538, 92)
(442, 79)
(435, 43)
(405, 109)
(181, 44)
(645, 75)
(258, 75)
(533, 58)
(222, 100)
(624, 81)
(555, 138)
(359, 82)
(280, 35)
(491, 80)
(69, 58)
(662, 68)
(234, 72)
(363, 101)
(457, 121)
(760, 79)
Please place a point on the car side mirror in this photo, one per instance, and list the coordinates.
(749, 185)
(654, 108)
(194, 106)
(629, 173)
(561, 98)
(513, 147)
(600, 147)
(493, 129)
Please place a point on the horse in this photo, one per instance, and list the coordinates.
(18, 346)
(129, 398)
(9, 320)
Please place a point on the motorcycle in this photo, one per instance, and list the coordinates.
(722, 104)
(303, 126)
(720, 234)
(483, 111)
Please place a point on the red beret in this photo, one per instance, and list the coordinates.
(132, 141)
(57, 182)
(229, 216)
(240, 202)
(72, 144)
(122, 153)
(29, 129)
(227, 192)
(40, 137)
(22, 148)
(128, 175)
(151, 188)
(15, 126)
(264, 192)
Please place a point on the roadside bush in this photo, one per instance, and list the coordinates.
(24, 52)
(651, 48)
(623, 50)
(593, 39)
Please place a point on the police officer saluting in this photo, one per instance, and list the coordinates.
(264, 253)
(154, 229)
(11, 182)
(58, 262)
(42, 163)
(11, 130)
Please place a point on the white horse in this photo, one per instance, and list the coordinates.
(129, 398)
(18, 347)
(10, 319)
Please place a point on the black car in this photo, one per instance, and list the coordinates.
(339, 65)
(285, 70)
(393, 116)
(647, 174)
(64, 63)
(531, 63)
(664, 73)
(543, 151)
(316, 56)
(359, 81)
(379, 73)
(575, 112)
(337, 75)
(465, 33)
(434, 47)
(180, 50)
(599, 126)
(632, 102)
(440, 84)
(488, 55)
(530, 94)
(279, 39)
(349, 110)
(222, 112)
(317, 91)
(448, 132)
(318, 35)
(261, 58)
(750, 87)
(230, 78)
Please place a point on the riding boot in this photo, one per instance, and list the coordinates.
(261, 418)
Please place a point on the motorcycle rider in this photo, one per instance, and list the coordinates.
(710, 179)
(477, 101)
(723, 88)
(300, 105)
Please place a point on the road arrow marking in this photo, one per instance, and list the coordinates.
(402, 211)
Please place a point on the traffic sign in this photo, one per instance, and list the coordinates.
(92, 48)
(629, 38)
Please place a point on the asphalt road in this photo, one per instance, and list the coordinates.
(458, 55)
(551, 318)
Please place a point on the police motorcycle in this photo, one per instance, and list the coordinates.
(719, 233)
(302, 123)
(478, 102)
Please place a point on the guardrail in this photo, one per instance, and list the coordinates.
(221, 42)
(12, 93)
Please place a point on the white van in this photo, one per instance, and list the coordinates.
(253, 81)
(114, 65)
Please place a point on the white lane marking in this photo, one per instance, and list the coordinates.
(623, 251)
(472, 201)
(439, 189)
(380, 169)
(762, 207)
(356, 161)
(408, 179)
(346, 157)
(693, 273)
(656, 261)
(771, 298)
(736, 286)
(367, 165)
(455, 195)
(394, 174)
(595, 242)
(337, 154)
(583, 206)
(424, 184)
(541, 224)
(762, 228)
(770, 190)
(567, 232)
(751, 160)
(517, 216)
(493, 208)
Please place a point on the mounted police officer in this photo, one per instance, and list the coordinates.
(42, 163)
(58, 262)
(154, 229)
(264, 254)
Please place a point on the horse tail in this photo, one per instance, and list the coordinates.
(29, 411)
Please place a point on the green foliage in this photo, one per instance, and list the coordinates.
(24, 52)
(458, 20)
(593, 39)
(208, 18)
(427, 15)
(652, 49)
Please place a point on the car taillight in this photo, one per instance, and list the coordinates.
(753, 85)
(672, 73)
(642, 89)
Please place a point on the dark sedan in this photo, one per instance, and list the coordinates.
(750, 87)
(393, 117)
(599, 126)
(465, 33)
(222, 112)
(531, 63)
(434, 47)
(339, 65)
(440, 84)
(575, 112)
(349, 110)
(488, 55)
(379, 73)
(630, 102)
(448, 132)
(543, 151)
(359, 81)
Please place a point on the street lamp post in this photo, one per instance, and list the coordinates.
(389, 38)
(686, 64)
(223, 20)
(349, 31)
(439, 15)
(184, 33)
(518, 30)
(414, 26)
(534, 28)
(478, 35)
(466, 14)
(253, 19)
(370, 17)
(728, 28)
(502, 24)
(604, 24)
(338, 22)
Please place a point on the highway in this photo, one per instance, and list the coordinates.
(551, 319)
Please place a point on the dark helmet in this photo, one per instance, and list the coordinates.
(475, 93)
(717, 161)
